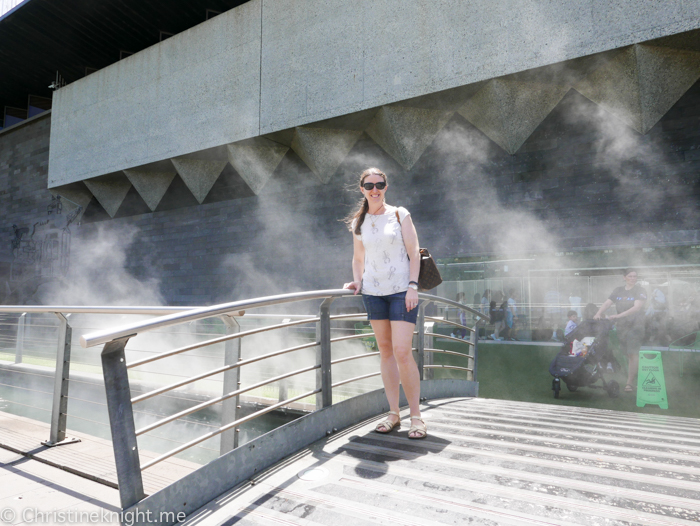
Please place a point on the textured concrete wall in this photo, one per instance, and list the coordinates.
(269, 66)
(197, 89)
(24, 160)
(583, 179)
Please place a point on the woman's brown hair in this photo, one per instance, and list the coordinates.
(363, 205)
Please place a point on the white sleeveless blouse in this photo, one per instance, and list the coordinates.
(386, 260)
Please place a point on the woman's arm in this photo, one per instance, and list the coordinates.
(605, 306)
(410, 241)
(358, 265)
(638, 305)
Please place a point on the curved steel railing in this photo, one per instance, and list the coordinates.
(120, 400)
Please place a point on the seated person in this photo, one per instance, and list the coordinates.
(572, 323)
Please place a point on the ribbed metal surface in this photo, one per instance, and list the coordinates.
(487, 462)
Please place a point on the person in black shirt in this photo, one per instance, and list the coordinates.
(629, 302)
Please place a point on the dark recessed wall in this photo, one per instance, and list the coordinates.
(582, 180)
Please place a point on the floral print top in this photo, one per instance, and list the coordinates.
(386, 261)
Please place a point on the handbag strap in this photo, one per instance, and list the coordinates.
(397, 215)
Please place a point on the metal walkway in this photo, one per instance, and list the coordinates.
(485, 462)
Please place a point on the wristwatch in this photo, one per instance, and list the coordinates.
(413, 285)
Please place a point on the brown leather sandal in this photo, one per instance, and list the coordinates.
(418, 431)
(386, 426)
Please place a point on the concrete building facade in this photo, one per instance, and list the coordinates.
(225, 151)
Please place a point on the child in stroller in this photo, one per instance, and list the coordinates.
(586, 368)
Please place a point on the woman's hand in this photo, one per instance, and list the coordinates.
(353, 285)
(411, 299)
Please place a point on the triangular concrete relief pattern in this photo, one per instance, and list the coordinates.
(405, 133)
(73, 195)
(664, 75)
(255, 160)
(151, 186)
(508, 111)
(109, 190)
(615, 87)
(199, 175)
(641, 83)
(323, 150)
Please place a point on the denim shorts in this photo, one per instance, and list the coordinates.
(391, 307)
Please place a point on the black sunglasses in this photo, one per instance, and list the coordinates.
(370, 186)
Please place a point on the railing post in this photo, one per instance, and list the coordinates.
(428, 358)
(474, 339)
(59, 410)
(232, 382)
(323, 356)
(19, 347)
(121, 421)
(420, 327)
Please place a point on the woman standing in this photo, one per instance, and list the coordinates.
(629, 302)
(385, 267)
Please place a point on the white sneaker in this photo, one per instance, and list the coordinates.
(493, 337)
(453, 335)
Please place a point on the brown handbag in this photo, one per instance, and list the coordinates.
(429, 275)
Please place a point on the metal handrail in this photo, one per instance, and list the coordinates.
(220, 339)
(448, 367)
(115, 367)
(446, 337)
(98, 337)
(442, 351)
(449, 322)
(225, 428)
(215, 401)
(219, 370)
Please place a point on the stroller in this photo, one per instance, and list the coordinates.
(586, 370)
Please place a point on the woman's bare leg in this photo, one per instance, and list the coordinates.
(402, 338)
(388, 367)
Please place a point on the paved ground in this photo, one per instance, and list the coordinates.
(71, 484)
(32, 492)
(486, 462)
(489, 462)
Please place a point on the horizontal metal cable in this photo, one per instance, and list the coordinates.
(25, 405)
(25, 389)
(215, 401)
(448, 367)
(443, 320)
(18, 371)
(227, 427)
(218, 371)
(355, 379)
(460, 340)
(218, 340)
(86, 401)
(442, 351)
(354, 357)
(71, 415)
